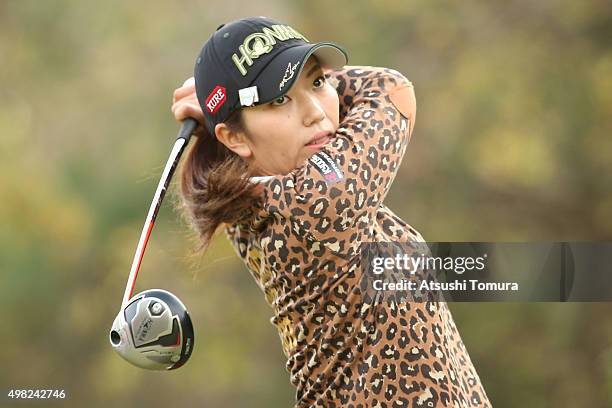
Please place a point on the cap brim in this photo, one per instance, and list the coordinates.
(282, 72)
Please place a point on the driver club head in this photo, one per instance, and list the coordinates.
(153, 331)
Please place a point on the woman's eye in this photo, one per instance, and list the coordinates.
(281, 100)
(319, 82)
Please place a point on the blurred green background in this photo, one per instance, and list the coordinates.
(512, 143)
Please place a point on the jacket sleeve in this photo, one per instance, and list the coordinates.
(332, 197)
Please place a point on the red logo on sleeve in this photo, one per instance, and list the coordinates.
(327, 166)
(216, 98)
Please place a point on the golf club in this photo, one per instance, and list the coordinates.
(153, 329)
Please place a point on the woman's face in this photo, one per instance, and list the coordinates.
(281, 135)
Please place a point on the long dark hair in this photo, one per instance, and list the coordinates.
(214, 185)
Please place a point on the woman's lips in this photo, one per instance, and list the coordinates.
(320, 141)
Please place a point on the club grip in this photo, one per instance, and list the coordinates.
(187, 128)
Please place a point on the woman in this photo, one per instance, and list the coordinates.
(294, 158)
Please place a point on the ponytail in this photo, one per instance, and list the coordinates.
(214, 185)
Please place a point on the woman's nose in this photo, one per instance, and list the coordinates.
(313, 111)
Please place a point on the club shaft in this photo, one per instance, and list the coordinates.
(177, 150)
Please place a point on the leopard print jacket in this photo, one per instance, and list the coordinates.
(302, 249)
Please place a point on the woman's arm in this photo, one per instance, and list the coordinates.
(348, 83)
(335, 194)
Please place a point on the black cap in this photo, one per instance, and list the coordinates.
(253, 61)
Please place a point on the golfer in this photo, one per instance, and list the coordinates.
(293, 158)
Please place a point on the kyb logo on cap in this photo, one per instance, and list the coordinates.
(248, 96)
(216, 98)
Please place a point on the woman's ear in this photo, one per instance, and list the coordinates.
(235, 141)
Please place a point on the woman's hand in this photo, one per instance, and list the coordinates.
(185, 104)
